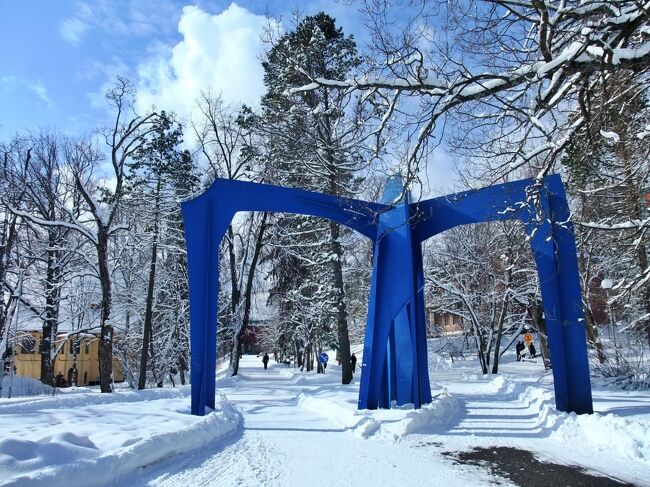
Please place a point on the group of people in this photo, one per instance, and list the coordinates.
(265, 361)
(521, 347)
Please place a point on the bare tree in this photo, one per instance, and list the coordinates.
(97, 221)
(50, 198)
(485, 274)
(228, 148)
(507, 73)
(122, 140)
(16, 157)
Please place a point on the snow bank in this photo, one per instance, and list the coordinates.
(25, 387)
(519, 410)
(83, 398)
(437, 363)
(388, 424)
(100, 438)
(607, 433)
(610, 434)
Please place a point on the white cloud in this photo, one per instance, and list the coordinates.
(439, 174)
(8, 80)
(73, 29)
(36, 87)
(40, 91)
(131, 19)
(218, 53)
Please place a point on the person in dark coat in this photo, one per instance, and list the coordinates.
(59, 381)
(519, 348)
(353, 363)
(531, 349)
(265, 360)
(6, 360)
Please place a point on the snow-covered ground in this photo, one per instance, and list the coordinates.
(281, 426)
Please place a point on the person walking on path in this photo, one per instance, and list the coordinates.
(353, 363)
(519, 348)
(265, 360)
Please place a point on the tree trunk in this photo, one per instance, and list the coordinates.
(341, 313)
(319, 366)
(51, 322)
(126, 365)
(497, 344)
(182, 364)
(235, 298)
(482, 358)
(592, 335)
(592, 327)
(7, 241)
(234, 289)
(309, 362)
(502, 314)
(9, 237)
(147, 332)
(480, 348)
(106, 332)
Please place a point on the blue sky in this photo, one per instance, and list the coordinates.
(58, 57)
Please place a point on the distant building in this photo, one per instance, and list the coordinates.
(28, 358)
(262, 314)
(444, 323)
(251, 340)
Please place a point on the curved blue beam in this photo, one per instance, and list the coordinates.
(233, 196)
(498, 202)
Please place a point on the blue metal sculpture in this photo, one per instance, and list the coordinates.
(395, 352)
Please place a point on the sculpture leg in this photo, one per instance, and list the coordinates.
(394, 360)
(544, 253)
(404, 357)
(202, 235)
(373, 389)
(554, 252)
(422, 386)
(573, 322)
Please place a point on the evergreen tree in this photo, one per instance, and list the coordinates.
(609, 178)
(161, 173)
(314, 142)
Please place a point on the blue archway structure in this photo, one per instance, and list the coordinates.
(395, 351)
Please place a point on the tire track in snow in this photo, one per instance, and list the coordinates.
(241, 463)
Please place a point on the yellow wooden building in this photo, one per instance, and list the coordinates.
(28, 359)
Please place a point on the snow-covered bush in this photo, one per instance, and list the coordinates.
(25, 386)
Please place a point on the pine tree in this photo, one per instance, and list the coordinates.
(160, 173)
(313, 142)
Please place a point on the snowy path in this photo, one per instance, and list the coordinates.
(493, 407)
(283, 443)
